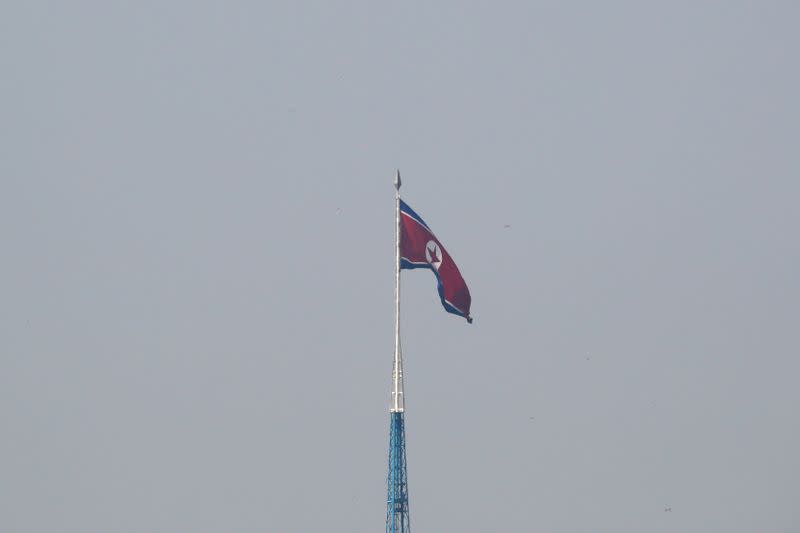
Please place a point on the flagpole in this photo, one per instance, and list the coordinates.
(398, 396)
(397, 515)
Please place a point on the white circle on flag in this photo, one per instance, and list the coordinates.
(433, 254)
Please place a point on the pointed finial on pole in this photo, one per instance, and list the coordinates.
(397, 181)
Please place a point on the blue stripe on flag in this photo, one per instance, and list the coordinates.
(410, 212)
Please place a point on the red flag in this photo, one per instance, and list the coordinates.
(419, 248)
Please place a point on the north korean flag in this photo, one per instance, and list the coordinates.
(419, 248)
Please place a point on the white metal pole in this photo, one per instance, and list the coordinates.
(398, 398)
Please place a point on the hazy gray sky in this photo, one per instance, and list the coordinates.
(196, 271)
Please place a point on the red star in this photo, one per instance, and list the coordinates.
(434, 257)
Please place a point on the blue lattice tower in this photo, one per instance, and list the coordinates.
(397, 517)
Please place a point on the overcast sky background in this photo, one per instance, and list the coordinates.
(196, 275)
